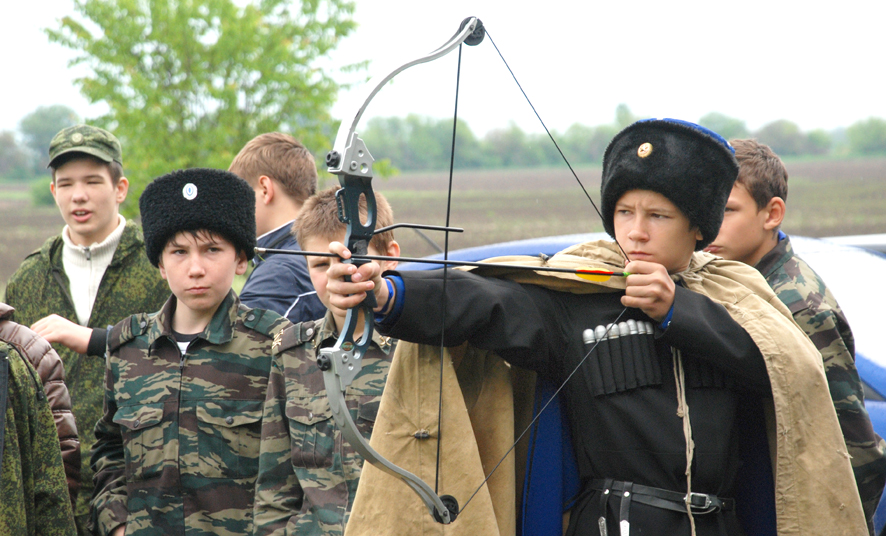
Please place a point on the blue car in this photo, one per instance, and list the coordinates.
(852, 273)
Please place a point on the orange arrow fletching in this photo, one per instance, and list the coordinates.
(598, 275)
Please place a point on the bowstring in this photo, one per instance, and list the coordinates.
(543, 408)
(445, 278)
(551, 136)
(608, 327)
(445, 273)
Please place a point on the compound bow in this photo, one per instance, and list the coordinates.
(352, 163)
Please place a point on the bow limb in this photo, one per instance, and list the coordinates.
(437, 506)
(351, 161)
(471, 32)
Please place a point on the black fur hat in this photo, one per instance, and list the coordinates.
(692, 166)
(195, 199)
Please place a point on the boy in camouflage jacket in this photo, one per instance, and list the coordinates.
(308, 473)
(750, 233)
(33, 494)
(87, 278)
(177, 447)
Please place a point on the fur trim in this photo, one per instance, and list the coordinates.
(198, 199)
(692, 166)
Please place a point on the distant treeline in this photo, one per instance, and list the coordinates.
(417, 143)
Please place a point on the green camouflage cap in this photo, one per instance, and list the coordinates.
(87, 139)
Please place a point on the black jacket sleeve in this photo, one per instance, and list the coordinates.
(490, 314)
(701, 327)
(529, 326)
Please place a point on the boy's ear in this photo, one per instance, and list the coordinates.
(266, 189)
(393, 250)
(160, 266)
(775, 213)
(242, 262)
(122, 189)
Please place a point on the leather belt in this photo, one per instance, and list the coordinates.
(699, 503)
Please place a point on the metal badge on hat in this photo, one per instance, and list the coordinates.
(189, 191)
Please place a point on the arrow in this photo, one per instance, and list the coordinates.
(588, 274)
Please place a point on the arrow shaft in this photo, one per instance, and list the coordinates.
(577, 271)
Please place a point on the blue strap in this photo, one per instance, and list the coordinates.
(667, 320)
(551, 483)
(388, 320)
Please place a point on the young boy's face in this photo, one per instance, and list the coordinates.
(88, 199)
(744, 235)
(317, 266)
(200, 270)
(650, 228)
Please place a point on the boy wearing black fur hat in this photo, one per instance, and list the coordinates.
(654, 408)
(177, 447)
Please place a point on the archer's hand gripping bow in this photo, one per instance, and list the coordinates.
(352, 163)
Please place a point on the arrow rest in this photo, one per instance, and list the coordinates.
(339, 201)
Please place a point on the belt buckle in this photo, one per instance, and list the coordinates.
(706, 508)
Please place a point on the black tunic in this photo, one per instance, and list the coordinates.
(622, 402)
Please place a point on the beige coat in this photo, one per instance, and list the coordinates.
(815, 490)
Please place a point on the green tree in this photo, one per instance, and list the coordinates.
(189, 82)
(13, 160)
(575, 143)
(585, 144)
(868, 136)
(511, 147)
(40, 126)
(41, 195)
(818, 142)
(547, 151)
(728, 127)
(598, 143)
(783, 137)
(421, 143)
(624, 117)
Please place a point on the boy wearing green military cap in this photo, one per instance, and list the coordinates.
(177, 447)
(88, 277)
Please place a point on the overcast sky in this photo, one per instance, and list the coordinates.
(819, 65)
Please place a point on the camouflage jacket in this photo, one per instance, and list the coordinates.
(819, 315)
(33, 493)
(130, 285)
(177, 447)
(51, 372)
(308, 474)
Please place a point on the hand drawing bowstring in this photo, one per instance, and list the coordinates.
(352, 163)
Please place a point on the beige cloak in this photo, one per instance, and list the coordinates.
(815, 491)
